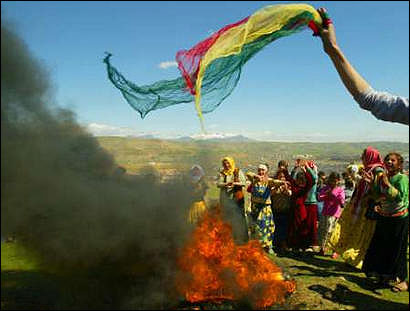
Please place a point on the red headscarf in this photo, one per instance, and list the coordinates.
(371, 160)
(311, 163)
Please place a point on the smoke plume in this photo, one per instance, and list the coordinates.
(64, 198)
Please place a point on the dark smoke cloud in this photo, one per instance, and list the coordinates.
(63, 197)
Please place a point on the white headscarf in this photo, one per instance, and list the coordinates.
(196, 173)
(263, 167)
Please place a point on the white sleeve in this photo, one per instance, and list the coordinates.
(385, 106)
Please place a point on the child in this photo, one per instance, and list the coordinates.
(333, 198)
(348, 187)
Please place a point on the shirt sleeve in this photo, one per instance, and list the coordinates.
(220, 183)
(385, 106)
(242, 178)
(340, 196)
(398, 191)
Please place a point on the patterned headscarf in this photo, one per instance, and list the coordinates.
(372, 159)
(232, 163)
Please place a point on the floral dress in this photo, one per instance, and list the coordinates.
(262, 225)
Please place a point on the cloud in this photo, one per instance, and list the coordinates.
(167, 64)
(98, 129)
(318, 137)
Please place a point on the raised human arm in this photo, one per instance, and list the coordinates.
(353, 81)
(382, 105)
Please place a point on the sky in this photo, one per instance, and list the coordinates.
(289, 91)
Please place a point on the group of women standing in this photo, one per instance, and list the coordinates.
(373, 232)
(369, 230)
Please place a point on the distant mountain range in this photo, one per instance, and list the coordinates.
(98, 129)
(143, 136)
(215, 137)
(203, 137)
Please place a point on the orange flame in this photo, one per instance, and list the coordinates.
(213, 268)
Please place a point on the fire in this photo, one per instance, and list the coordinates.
(213, 268)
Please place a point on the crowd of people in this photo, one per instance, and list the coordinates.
(360, 215)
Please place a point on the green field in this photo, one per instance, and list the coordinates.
(322, 283)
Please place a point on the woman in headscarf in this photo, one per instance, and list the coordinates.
(354, 233)
(231, 182)
(261, 220)
(199, 188)
(386, 258)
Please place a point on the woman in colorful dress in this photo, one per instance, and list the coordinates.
(231, 182)
(298, 229)
(386, 258)
(355, 231)
(262, 225)
(311, 222)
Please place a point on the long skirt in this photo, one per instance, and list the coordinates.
(326, 226)
(281, 228)
(233, 212)
(262, 225)
(351, 237)
(311, 225)
(196, 211)
(298, 228)
(387, 252)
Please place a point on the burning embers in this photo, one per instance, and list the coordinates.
(214, 269)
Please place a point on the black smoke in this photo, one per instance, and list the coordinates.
(64, 198)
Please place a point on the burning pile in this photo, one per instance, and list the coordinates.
(213, 268)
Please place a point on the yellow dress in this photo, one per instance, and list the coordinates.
(198, 206)
(351, 238)
(196, 211)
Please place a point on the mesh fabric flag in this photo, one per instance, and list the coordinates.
(211, 69)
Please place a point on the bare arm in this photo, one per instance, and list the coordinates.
(382, 105)
(352, 80)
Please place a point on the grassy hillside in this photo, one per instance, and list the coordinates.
(133, 153)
